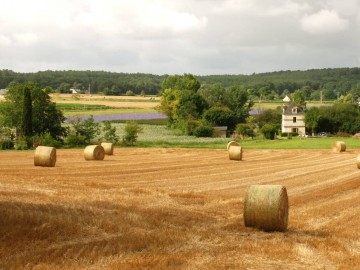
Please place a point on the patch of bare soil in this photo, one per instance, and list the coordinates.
(176, 209)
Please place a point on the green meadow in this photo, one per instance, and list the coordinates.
(155, 135)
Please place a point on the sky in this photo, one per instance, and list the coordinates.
(202, 37)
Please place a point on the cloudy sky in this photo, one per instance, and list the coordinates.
(175, 37)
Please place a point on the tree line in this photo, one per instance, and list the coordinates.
(29, 118)
(329, 84)
(195, 109)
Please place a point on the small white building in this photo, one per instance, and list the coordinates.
(293, 118)
(75, 91)
(220, 131)
(2, 93)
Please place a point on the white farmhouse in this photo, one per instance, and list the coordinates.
(293, 119)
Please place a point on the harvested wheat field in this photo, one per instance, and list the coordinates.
(177, 209)
(111, 101)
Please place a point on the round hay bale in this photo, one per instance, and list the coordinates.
(266, 207)
(232, 143)
(339, 146)
(108, 148)
(358, 162)
(235, 153)
(94, 152)
(45, 156)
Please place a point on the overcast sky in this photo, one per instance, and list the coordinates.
(201, 37)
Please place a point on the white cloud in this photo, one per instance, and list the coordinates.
(324, 22)
(25, 39)
(159, 17)
(5, 41)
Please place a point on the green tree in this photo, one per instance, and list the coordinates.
(181, 82)
(129, 93)
(237, 99)
(299, 98)
(45, 116)
(213, 94)
(348, 99)
(245, 130)
(64, 88)
(341, 117)
(110, 133)
(48, 90)
(87, 129)
(269, 131)
(26, 125)
(220, 116)
(264, 92)
(132, 129)
(180, 101)
(272, 116)
(312, 117)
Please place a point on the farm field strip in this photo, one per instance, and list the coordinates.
(176, 209)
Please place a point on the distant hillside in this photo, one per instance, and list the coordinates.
(337, 81)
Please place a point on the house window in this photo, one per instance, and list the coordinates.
(294, 110)
(294, 119)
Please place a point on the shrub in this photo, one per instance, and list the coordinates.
(203, 131)
(129, 93)
(5, 145)
(46, 140)
(110, 133)
(342, 134)
(22, 143)
(75, 139)
(87, 129)
(289, 134)
(269, 131)
(131, 133)
(245, 130)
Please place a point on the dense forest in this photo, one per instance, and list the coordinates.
(331, 83)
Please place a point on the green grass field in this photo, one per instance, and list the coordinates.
(155, 135)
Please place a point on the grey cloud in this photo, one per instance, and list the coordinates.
(208, 37)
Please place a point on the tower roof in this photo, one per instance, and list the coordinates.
(293, 108)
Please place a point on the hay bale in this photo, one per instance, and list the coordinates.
(339, 146)
(45, 156)
(358, 162)
(232, 143)
(94, 152)
(235, 153)
(108, 147)
(266, 207)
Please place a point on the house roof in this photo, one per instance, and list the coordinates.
(293, 108)
(286, 99)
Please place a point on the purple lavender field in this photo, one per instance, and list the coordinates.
(126, 116)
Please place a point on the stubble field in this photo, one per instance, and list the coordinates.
(176, 209)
